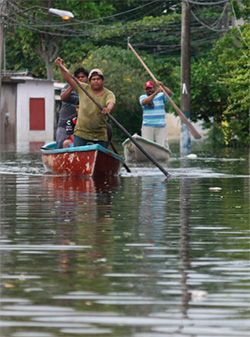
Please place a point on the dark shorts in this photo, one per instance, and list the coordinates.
(78, 141)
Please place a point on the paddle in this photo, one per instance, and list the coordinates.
(124, 164)
(117, 124)
(114, 149)
(98, 105)
(139, 146)
(183, 118)
(113, 119)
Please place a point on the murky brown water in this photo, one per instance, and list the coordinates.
(130, 257)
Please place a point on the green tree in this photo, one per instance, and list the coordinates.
(221, 83)
(41, 36)
(125, 77)
(236, 57)
(98, 37)
(36, 37)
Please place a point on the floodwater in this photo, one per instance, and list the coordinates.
(134, 256)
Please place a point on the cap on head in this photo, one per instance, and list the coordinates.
(95, 71)
(149, 84)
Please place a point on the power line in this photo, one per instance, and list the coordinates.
(211, 3)
(22, 11)
(90, 29)
(205, 25)
(238, 28)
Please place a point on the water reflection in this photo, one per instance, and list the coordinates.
(74, 194)
(152, 196)
(131, 256)
(185, 210)
(81, 184)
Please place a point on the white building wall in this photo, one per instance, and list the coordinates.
(34, 89)
(174, 127)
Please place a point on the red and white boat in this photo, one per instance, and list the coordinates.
(91, 160)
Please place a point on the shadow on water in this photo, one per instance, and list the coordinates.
(131, 256)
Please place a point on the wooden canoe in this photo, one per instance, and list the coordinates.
(91, 160)
(133, 154)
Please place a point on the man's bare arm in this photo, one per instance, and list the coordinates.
(65, 72)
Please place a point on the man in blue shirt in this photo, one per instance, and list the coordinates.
(154, 113)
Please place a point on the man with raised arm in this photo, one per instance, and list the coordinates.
(154, 114)
(91, 127)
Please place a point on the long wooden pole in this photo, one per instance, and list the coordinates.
(185, 104)
(139, 146)
(182, 116)
(113, 119)
(100, 107)
(2, 114)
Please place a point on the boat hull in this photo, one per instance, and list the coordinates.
(92, 160)
(133, 154)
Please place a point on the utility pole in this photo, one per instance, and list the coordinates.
(2, 116)
(185, 140)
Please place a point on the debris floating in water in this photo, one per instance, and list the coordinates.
(198, 295)
(192, 156)
(215, 189)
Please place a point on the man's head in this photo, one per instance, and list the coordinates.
(81, 74)
(149, 87)
(95, 72)
(96, 79)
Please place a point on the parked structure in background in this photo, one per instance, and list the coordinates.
(28, 109)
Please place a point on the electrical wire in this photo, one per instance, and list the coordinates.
(219, 19)
(205, 25)
(92, 21)
(237, 26)
(22, 17)
(206, 3)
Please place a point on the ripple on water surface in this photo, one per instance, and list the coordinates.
(140, 258)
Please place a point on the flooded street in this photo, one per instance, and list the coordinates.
(133, 256)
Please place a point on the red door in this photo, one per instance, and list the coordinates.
(37, 114)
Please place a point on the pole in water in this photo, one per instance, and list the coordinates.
(121, 127)
(182, 116)
(139, 146)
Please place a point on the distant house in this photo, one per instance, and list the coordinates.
(27, 110)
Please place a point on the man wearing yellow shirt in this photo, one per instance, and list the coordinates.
(91, 126)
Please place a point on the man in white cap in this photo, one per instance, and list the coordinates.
(91, 126)
(154, 113)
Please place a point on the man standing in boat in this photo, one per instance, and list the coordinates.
(154, 114)
(91, 127)
(69, 99)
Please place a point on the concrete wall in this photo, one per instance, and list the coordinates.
(34, 89)
(174, 127)
(8, 101)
